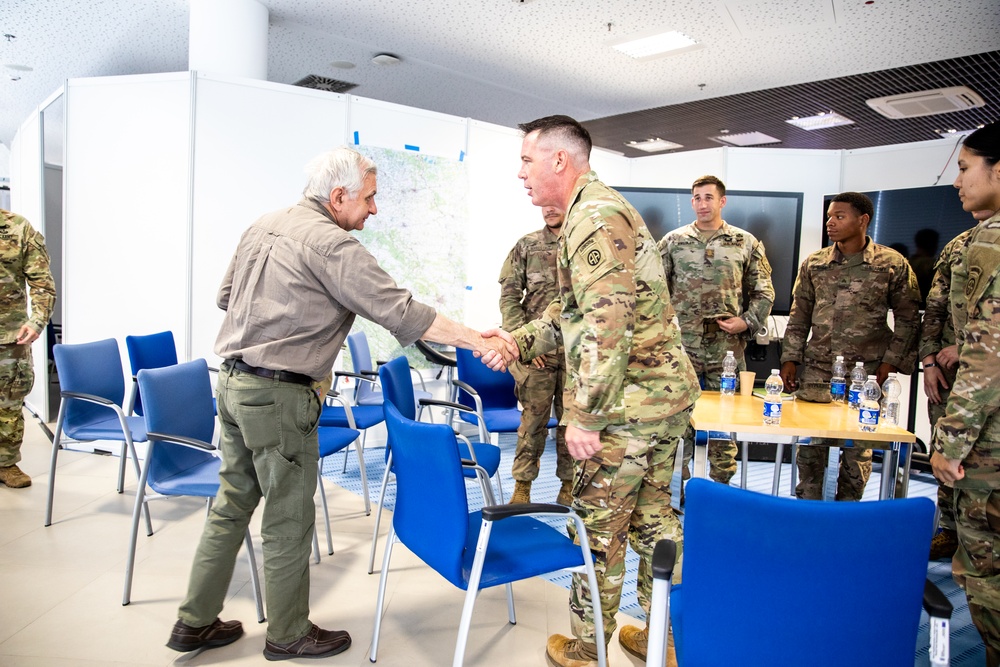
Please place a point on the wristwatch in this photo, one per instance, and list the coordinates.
(931, 365)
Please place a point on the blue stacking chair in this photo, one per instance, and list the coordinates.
(482, 458)
(473, 550)
(333, 439)
(149, 351)
(92, 392)
(488, 397)
(181, 459)
(794, 563)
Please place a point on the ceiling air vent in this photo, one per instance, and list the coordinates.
(318, 82)
(926, 102)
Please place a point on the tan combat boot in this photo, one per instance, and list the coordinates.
(636, 642)
(569, 652)
(944, 545)
(522, 493)
(565, 496)
(13, 477)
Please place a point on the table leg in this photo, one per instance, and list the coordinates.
(831, 474)
(793, 474)
(700, 462)
(890, 466)
(745, 460)
(779, 454)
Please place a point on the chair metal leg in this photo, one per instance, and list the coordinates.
(326, 511)
(254, 577)
(140, 502)
(359, 448)
(315, 545)
(471, 593)
(595, 595)
(659, 619)
(52, 465)
(511, 614)
(378, 514)
(383, 576)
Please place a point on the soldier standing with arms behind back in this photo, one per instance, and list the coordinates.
(843, 294)
(23, 259)
(630, 387)
(720, 284)
(528, 284)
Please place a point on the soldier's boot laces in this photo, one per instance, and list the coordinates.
(13, 477)
(636, 642)
(944, 545)
(565, 496)
(522, 493)
(569, 652)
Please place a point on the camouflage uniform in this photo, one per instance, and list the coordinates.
(844, 300)
(627, 377)
(970, 431)
(23, 259)
(528, 284)
(947, 293)
(713, 275)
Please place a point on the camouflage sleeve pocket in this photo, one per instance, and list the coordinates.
(593, 258)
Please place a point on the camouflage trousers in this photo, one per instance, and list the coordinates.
(855, 469)
(721, 453)
(976, 566)
(945, 495)
(623, 496)
(17, 375)
(538, 391)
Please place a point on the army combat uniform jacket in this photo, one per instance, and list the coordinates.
(23, 259)
(624, 360)
(845, 300)
(947, 289)
(970, 429)
(716, 274)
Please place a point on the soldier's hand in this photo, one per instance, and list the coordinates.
(934, 381)
(26, 335)
(948, 471)
(733, 325)
(882, 372)
(498, 349)
(582, 444)
(788, 371)
(538, 362)
(948, 357)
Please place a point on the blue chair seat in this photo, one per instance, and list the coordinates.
(109, 429)
(487, 457)
(501, 421)
(201, 481)
(365, 416)
(510, 539)
(333, 440)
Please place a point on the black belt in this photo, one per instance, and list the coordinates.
(284, 376)
(711, 326)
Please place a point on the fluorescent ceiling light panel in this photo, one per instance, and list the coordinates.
(654, 44)
(746, 139)
(654, 145)
(820, 121)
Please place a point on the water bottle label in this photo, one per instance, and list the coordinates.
(838, 389)
(728, 384)
(772, 410)
(854, 397)
(868, 416)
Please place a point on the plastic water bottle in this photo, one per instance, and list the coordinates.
(857, 382)
(891, 389)
(838, 383)
(728, 380)
(868, 407)
(772, 401)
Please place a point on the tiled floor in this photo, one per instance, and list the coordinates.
(61, 586)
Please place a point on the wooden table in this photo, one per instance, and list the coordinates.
(742, 416)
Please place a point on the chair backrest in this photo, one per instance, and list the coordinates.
(797, 572)
(397, 386)
(496, 390)
(431, 515)
(89, 368)
(361, 360)
(178, 402)
(150, 351)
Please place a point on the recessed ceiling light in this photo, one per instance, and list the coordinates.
(820, 121)
(746, 139)
(18, 68)
(654, 44)
(385, 59)
(654, 145)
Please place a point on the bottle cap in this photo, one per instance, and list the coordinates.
(840, 357)
(871, 377)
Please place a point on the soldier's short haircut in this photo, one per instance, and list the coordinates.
(985, 142)
(575, 135)
(708, 179)
(861, 203)
(342, 167)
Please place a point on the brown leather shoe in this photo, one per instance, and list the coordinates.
(317, 643)
(219, 633)
(14, 477)
(569, 652)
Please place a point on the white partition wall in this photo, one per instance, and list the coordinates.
(902, 166)
(252, 142)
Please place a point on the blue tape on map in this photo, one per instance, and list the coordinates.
(410, 147)
(461, 156)
(356, 142)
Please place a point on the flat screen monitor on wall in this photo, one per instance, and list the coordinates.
(773, 217)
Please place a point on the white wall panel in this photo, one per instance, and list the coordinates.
(387, 125)
(126, 206)
(901, 166)
(677, 170)
(252, 143)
